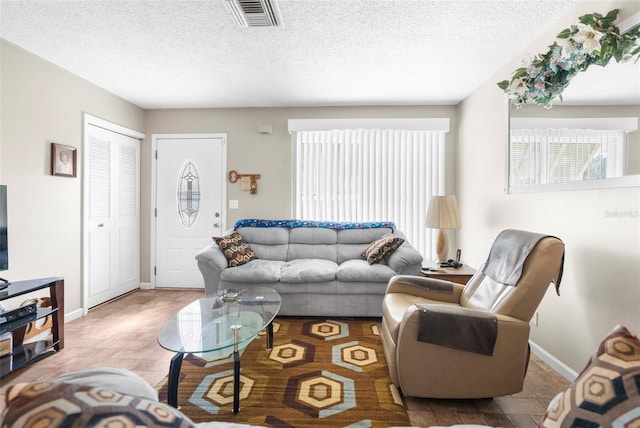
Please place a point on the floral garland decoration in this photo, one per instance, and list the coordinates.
(595, 40)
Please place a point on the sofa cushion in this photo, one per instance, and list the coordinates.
(270, 243)
(255, 272)
(313, 236)
(309, 251)
(312, 243)
(266, 236)
(607, 391)
(352, 242)
(270, 252)
(235, 249)
(309, 270)
(73, 405)
(361, 236)
(361, 271)
(382, 247)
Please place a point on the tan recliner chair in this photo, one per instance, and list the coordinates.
(445, 340)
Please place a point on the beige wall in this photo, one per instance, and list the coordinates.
(41, 104)
(601, 285)
(268, 155)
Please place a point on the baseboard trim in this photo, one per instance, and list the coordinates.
(73, 315)
(564, 370)
(146, 286)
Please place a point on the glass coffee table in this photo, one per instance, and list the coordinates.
(227, 321)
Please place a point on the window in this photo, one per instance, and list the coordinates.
(365, 174)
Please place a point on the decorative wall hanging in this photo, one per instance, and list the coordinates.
(63, 160)
(248, 180)
(594, 40)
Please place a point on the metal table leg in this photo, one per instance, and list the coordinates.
(269, 336)
(236, 370)
(174, 376)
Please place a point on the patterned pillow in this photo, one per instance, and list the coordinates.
(607, 391)
(56, 405)
(235, 249)
(381, 247)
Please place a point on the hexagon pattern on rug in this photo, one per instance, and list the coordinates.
(319, 371)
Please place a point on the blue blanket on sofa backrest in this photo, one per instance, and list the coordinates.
(291, 223)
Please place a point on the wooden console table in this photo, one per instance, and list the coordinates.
(25, 354)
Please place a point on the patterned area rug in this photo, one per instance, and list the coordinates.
(320, 372)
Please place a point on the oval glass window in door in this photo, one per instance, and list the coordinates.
(188, 194)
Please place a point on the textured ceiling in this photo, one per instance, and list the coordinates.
(190, 54)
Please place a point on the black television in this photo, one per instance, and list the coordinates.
(4, 242)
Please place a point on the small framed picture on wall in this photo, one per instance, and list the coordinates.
(63, 160)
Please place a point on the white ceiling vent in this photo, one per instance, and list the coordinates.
(255, 13)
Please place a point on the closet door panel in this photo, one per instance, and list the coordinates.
(129, 213)
(113, 217)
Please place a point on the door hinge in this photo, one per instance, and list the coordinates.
(156, 212)
(156, 154)
(155, 270)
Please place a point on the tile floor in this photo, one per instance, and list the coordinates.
(122, 333)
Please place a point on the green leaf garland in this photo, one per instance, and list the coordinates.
(595, 40)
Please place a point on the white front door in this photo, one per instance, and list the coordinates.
(112, 214)
(190, 193)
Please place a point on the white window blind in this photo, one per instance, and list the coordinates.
(370, 175)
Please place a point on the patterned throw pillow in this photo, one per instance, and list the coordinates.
(607, 391)
(381, 247)
(235, 249)
(57, 405)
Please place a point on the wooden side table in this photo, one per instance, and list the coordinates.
(462, 275)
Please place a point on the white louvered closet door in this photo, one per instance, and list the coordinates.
(113, 217)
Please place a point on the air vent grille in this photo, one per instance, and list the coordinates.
(254, 13)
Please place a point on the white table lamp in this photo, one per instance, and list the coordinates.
(443, 214)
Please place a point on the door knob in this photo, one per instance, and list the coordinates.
(216, 214)
(216, 224)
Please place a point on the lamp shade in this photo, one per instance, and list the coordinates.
(443, 213)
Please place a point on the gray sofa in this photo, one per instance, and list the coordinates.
(317, 267)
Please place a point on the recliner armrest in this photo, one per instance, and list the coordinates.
(456, 327)
(429, 288)
(448, 372)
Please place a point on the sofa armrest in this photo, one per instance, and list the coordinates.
(405, 260)
(212, 254)
(211, 261)
(428, 288)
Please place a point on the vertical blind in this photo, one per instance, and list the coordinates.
(370, 175)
